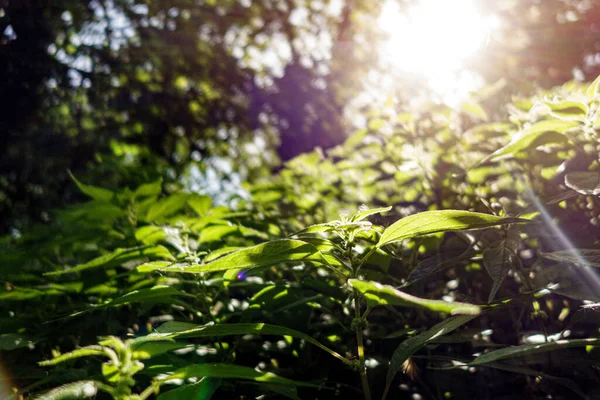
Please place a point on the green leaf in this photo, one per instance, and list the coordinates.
(200, 204)
(99, 194)
(11, 341)
(177, 330)
(592, 90)
(533, 348)
(415, 343)
(584, 182)
(120, 256)
(318, 228)
(149, 235)
(151, 349)
(71, 391)
(167, 206)
(533, 135)
(567, 110)
(149, 189)
(475, 110)
(265, 254)
(583, 257)
(377, 294)
(156, 294)
(233, 371)
(362, 214)
(355, 139)
(429, 222)
(204, 389)
(498, 259)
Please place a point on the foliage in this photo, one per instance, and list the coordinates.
(477, 260)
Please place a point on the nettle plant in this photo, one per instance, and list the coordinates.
(342, 246)
(193, 300)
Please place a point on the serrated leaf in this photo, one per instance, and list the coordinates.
(156, 294)
(569, 110)
(377, 294)
(359, 216)
(167, 206)
(498, 259)
(533, 348)
(265, 254)
(429, 222)
(584, 182)
(177, 330)
(200, 204)
(120, 256)
(232, 371)
(201, 390)
(99, 194)
(531, 135)
(149, 189)
(415, 343)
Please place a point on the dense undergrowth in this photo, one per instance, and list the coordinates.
(445, 254)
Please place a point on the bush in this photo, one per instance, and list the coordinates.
(471, 275)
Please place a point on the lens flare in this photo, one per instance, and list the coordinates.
(588, 276)
(434, 39)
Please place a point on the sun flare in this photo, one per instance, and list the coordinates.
(434, 39)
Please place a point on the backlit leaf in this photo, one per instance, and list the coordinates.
(149, 189)
(265, 254)
(121, 256)
(200, 204)
(377, 294)
(533, 135)
(177, 330)
(359, 216)
(441, 221)
(567, 110)
(167, 206)
(99, 194)
(156, 294)
(592, 90)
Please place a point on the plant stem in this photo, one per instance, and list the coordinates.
(361, 349)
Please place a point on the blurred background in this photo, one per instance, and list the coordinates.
(208, 94)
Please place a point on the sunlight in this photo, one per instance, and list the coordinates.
(434, 39)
